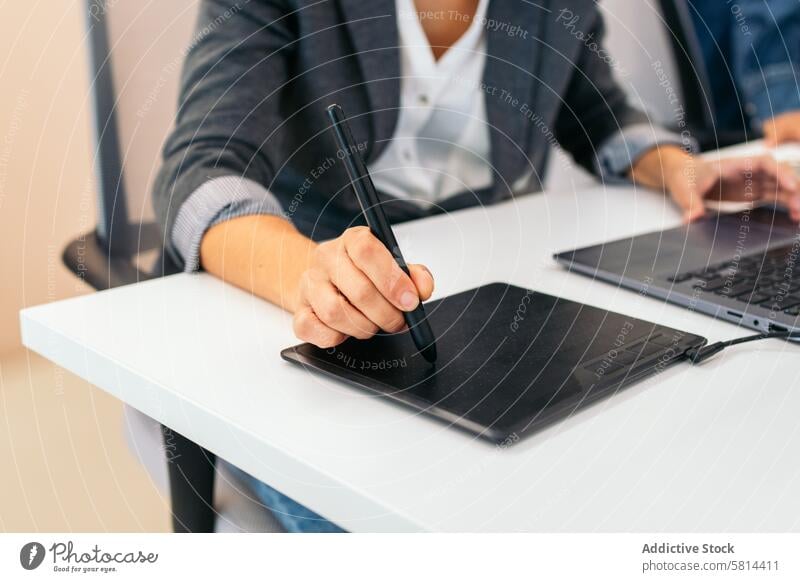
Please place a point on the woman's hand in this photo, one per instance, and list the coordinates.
(354, 287)
(350, 286)
(692, 181)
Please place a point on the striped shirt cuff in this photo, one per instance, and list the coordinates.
(620, 152)
(215, 201)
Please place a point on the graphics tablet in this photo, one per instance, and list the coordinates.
(511, 361)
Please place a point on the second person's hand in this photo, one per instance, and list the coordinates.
(353, 287)
(784, 128)
(745, 179)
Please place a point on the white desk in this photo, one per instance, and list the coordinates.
(708, 448)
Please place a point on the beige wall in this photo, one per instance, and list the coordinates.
(46, 187)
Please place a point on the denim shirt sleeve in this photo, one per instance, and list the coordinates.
(765, 54)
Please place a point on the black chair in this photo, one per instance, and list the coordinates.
(116, 252)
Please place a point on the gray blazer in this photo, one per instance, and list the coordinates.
(260, 74)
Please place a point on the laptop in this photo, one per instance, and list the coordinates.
(511, 361)
(741, 267)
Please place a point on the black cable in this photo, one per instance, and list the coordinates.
(701, 354)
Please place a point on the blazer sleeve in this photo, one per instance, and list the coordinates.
(595, 107)
(227, 120)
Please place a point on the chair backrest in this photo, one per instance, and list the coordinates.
(136, 54)
(658, 60)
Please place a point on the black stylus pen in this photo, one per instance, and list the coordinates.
(416, 320)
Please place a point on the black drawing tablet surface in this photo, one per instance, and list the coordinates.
(510, 361)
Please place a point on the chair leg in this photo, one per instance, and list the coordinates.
(191, 483)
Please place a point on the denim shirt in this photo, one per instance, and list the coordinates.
(751, 50)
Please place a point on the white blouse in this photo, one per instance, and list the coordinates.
(440, 146)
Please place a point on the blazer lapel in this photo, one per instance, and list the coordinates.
(372, 26)
(512, 69)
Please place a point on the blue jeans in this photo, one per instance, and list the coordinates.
(294, 518)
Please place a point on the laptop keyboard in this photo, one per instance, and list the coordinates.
(770, 279)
